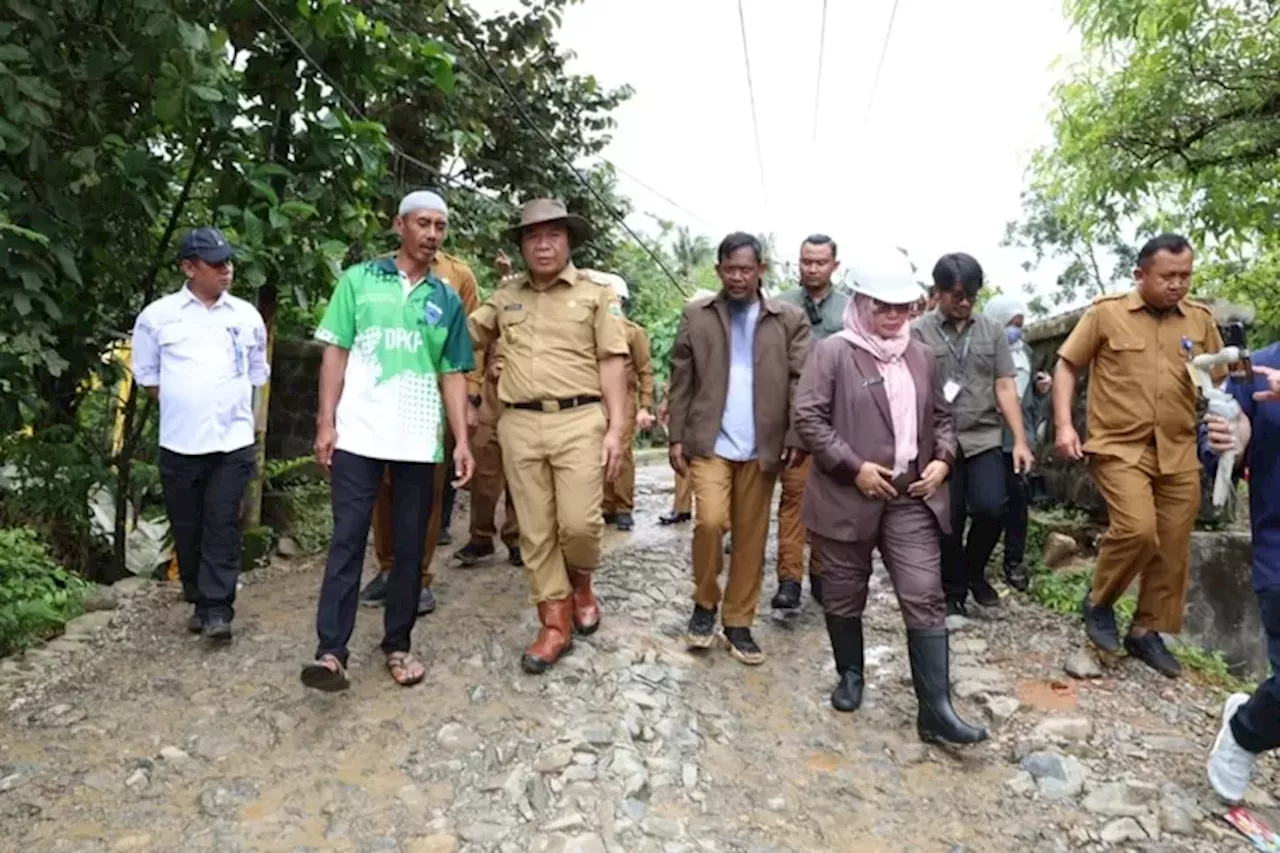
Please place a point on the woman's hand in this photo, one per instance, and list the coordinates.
(876, 482)
(932, 477)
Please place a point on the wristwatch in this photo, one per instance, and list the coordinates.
(475, 400)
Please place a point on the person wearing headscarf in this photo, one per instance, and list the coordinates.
(1010, 312)
(870, 410)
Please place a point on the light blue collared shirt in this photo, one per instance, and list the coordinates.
(737, 438)
(207, 361)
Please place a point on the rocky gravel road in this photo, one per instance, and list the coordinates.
(129, 735)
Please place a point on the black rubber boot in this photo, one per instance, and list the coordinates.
(846, 645)
(931, 674)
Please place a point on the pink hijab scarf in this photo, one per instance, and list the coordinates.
(899, 386)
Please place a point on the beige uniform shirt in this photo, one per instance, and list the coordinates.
(552, 338)
(1140, 391)
(639, 366)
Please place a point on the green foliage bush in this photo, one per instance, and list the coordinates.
(37, 596)
(306, 497)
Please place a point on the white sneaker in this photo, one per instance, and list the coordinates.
(1230, 764)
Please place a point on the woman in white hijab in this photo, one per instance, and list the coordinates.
(1010, 312)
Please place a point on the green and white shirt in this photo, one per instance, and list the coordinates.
(402, 339)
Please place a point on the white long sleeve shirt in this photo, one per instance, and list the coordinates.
(207, 361)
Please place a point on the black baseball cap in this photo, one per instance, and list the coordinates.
(207, 244)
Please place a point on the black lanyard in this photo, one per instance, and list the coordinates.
(962, 358)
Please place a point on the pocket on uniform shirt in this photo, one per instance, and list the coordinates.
(1126, 345)
(174, 333)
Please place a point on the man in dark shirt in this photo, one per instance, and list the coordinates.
(1251, 724)
(978, 376)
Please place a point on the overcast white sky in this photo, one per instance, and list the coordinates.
(935, 165)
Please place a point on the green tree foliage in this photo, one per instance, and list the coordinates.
(1171, 119)
(36, 595)
(125, 123)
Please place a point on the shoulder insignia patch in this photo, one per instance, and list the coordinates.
(1109, 297)
(614, 308)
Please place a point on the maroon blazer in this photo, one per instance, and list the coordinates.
(841, 414)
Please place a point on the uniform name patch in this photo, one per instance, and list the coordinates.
(513, 306)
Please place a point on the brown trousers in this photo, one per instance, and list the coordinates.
(684, 495)
(910, 544)
(1151, 517)
(487, 486)
(620, 494)
(384, 542)
(736, 495)
(552, 464)
(791, 530)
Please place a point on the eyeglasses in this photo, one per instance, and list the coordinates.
(959, 295)
(886, 308)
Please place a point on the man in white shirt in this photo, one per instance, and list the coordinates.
(201, 352)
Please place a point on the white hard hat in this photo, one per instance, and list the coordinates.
(617, 282)
(885, 276)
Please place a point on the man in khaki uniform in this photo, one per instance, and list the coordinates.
(682, 501)
(1142, 439)
(619, 494)
(489, 482)
(563, 351)
(457, 275)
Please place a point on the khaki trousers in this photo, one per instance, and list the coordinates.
(684, 495)
(791, 530)
(487, 487)
(736, 495)
(552, 464)
(620, 494)
(384, 541)
(1151, 517)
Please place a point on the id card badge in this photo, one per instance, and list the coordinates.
(951, 390)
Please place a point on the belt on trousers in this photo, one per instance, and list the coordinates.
(554, 405)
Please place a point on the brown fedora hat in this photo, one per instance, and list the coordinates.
(542, 210)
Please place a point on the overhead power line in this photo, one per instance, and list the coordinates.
(668, 199)
(523, 114)
(751, 91)
(884, 51)
(817, 87)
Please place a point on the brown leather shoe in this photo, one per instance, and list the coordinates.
(586, 610)
(553, 640)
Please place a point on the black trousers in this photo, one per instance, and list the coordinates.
(977, 492)
(202, 495)
(354, 484)
(1015, 515)
(1256, 725)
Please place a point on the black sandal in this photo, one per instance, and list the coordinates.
(320, 676)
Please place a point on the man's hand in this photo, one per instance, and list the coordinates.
(1223, 439)
(611, 454)
(876, 481)
(645, 420)
(464, 465)
(930, 479)
(503, 264)
(1067, 442)
(1023, 458)
(793, 457)
(1044, 383)
(675, 454)
(326, 440)
(494, 369)
(1272, 392)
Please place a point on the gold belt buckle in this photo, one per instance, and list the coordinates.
(550, 406)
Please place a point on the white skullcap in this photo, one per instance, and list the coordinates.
(423, 200)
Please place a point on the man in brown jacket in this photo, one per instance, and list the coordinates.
(734, 367)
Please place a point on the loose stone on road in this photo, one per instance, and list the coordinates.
(128, 735)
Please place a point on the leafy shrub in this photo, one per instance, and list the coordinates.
(37, 596)
(306, 501)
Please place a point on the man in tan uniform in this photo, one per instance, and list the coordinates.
(1142, 439)
(489, 483)
(620, 494)
(563, 351)
(682, 501)
(458, 276)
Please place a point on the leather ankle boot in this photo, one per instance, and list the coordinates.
(930, 650)
(554, 639)
(586, 610)
(846, 646)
